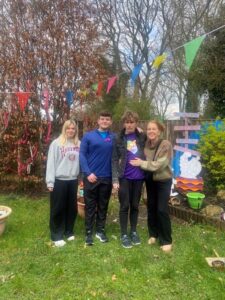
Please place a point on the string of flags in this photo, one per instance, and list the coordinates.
(190, 49)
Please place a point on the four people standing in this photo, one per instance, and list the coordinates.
(128, 160)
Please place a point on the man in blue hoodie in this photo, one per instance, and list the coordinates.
(95, 162)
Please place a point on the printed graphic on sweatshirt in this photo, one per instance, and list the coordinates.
(132, 146)
(69, 151)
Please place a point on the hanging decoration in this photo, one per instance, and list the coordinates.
(22, 99)
(94, 87)
(46, 97)
(111, 83)
(159, 60)
(69, 97)
(135, 73)
(99, 88)
(191, 49)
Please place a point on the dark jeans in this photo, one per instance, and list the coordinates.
(96, 197)
(158, 194)
(129, 197)
(63, 208)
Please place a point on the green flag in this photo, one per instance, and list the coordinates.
(94, 87)
(191, 49)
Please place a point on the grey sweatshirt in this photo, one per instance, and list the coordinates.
(62, 163)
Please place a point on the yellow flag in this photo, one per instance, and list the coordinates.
(159, 60)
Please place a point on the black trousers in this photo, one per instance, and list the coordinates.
(129, 197)
(159, 224)
(96, 198)
(63, 208)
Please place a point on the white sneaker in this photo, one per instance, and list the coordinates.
(71, 238)
(59, 243)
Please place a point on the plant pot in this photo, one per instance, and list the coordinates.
(5, 211)
(195, 200)
(81, 207)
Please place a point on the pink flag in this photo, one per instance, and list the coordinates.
(46, 98)
(111, 82)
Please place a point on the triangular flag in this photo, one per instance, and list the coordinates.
(84, 92)
(135, 72)
(111, 82)
(46, 98)
(159, 60)
(191, 49)
(94, 87)
(69, 97)
(22, 99)
(99, 88)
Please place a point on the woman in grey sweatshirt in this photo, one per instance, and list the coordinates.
(61, 179)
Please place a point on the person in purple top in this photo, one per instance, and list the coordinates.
(95, 163)
(128, 145)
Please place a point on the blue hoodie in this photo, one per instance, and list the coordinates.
(96, 154)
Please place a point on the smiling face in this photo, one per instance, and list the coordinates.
(104, 123)
(70, 131)
(153, 132)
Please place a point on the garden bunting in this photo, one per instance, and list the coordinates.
(69, 97)
(111, 82)
(191, 49)
(22, 99)
(46, 98)
(159, 60)
(136, 72)
(99, 88)
(94, 87)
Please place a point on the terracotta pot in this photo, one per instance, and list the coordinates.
(5, 211)
(81, 207)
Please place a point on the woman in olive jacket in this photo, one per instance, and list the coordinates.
(157, 165)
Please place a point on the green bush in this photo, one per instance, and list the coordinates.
(212, 149)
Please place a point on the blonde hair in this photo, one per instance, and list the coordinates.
(63, 137)
(159, 125)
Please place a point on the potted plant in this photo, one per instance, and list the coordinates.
(5, 211)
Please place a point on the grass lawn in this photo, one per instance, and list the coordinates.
(31, 269)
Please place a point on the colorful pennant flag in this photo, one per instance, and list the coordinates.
(99, 88)
(136, 72)
(22, 99)
(46, 98)
(159, 60)
(84, 92)
(94, 87)
(69, 97)
(191, 49)
(111, 82)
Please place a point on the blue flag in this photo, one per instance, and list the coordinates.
(135, 73)
(69, 97)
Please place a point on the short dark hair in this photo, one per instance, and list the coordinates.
(105, 113)
(130, 116)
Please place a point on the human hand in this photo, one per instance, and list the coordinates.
(50, 189)
(92, 178)
(136, 162)
(140, 129)
(116, 186)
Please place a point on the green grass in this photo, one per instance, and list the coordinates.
(31, 269)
